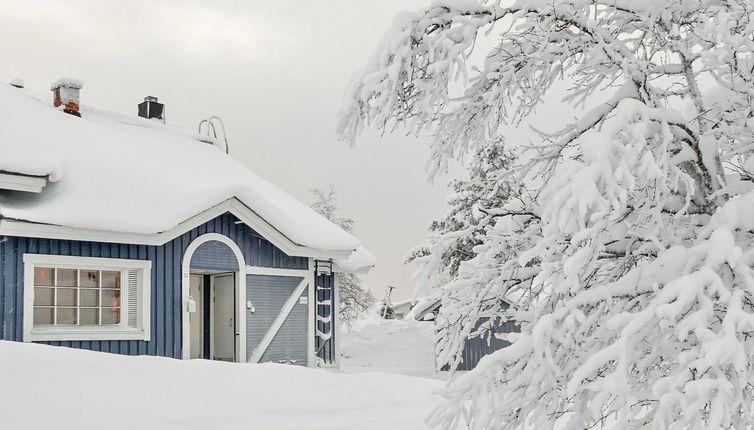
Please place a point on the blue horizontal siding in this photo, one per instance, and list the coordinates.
(166, 279)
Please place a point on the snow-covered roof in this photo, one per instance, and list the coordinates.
(360, 260)
(119, 173)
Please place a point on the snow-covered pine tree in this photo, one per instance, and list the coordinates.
(629, 269)
(452, 238)
(353, 298)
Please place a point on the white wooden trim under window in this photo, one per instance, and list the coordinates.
(126, 300)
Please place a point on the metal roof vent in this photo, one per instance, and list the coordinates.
(150, 108)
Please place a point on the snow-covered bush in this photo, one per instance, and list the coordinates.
(623, 240)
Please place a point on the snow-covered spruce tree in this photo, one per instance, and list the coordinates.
(453, 237)
(629, 269)
(353, 298)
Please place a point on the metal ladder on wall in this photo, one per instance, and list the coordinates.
(324, 323)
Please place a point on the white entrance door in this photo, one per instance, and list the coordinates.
(223, 317)
(196, 318)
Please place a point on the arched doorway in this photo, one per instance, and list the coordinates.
(214, 274)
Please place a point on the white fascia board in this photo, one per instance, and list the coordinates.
(30, 184)
(9, 227)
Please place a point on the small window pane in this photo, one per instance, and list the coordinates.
(89, 297)
(89, 316)
(110, 316)
(43, 276)
(43, 316)
(66, 297)
(110, 279)
(111, 298)
(66, 316)
(66, 278)
(89, 278)
(44, 296)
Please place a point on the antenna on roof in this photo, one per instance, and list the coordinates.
(210, 128)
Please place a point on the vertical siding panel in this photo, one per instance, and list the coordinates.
(5, 242)
(176, 304)
(9, 271)
(160, 313)
(65, 247)
(168, 303)
(19, 303)
(154, 314)
(44, 246)
(142, 255)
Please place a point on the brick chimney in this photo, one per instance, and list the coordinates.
(66, 94)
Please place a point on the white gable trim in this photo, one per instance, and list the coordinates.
(10, 227)
(30, 184)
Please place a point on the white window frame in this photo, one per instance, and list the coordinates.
(78, 333)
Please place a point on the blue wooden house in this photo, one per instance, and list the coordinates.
(125, 235)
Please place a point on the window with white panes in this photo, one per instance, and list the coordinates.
(81, 298)
(87, 297)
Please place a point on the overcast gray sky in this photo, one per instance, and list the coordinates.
(275, 71)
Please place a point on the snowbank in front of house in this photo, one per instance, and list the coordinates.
(54, 387)
(397, 346)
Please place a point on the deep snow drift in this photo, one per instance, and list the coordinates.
(396, 346)
(62, 388)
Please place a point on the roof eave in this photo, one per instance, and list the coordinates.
(21, 228)
(21, 182)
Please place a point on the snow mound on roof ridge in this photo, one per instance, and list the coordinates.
(117, 177)
(67, 82)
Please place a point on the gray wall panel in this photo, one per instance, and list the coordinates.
(269, 294)
(214, 255)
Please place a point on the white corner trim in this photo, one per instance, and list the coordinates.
(78, 333)
(240, 293)
(11, 227)
(311, 356)
(275, 327)
(30, 184)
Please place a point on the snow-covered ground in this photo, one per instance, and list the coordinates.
(396, 346)
(53, 387)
